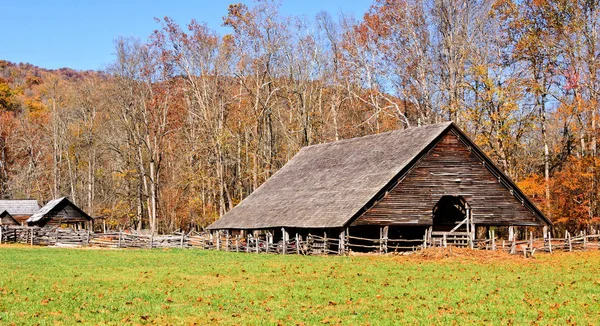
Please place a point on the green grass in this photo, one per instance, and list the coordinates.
(51, 286)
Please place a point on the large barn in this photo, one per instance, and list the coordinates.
(400, 184)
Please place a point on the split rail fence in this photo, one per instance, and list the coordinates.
(310, 245)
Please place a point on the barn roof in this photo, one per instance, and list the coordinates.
(19, 206)
(325, 185)
(52, 206)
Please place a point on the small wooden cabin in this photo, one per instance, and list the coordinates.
(410, 183)
(19, 209)
(7, 219)
(60, 212)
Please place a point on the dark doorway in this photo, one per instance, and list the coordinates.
(448, 212)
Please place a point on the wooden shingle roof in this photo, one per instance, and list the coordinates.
(18, 207)
(326, 185)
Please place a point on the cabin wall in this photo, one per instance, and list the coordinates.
(8, 220)
(63, 215)
(68, 212)
(448, 169)
(21, 219)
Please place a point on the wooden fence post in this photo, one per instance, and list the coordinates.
(325, 244)
(347, 244)
(227, 242)
(512, 239)
(425, 240)
(550, 242)
(284, 242)
(530, 240)
(584, 240)
(248, 242)
(297, 244)
(385, 239)
(237, 243)
(493, 240)
(341, 248)
(570, 243)
(218, 239)
(182, 239)
(119, 244)
(268, 244)
(257, 244)
(88, 238)
(31, 236)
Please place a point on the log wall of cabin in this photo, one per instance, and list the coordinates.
(7, 219)
(449, 168)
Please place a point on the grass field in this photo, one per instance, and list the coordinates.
(51, 286)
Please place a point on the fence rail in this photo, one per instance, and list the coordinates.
(310, 245)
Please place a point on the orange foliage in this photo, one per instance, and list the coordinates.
(533, 186)
(574, 192)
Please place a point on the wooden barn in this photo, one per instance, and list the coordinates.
(19, 210)
(60, 212)
(430, 182)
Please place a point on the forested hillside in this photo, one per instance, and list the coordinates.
(186, 123)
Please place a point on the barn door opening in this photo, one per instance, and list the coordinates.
(450, 214)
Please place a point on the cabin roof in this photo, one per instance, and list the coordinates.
(7, 219)
(325, 185)
(54, 205)
(19, 206)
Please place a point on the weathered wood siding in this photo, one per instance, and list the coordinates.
(450, 168)
(63, 215)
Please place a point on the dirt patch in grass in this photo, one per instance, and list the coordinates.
(464, 254)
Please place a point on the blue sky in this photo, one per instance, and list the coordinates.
(79, 34)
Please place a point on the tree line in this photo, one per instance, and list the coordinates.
(183, 125)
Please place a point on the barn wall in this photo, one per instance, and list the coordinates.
(437, 174)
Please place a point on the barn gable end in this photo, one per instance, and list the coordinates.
(453, 167)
